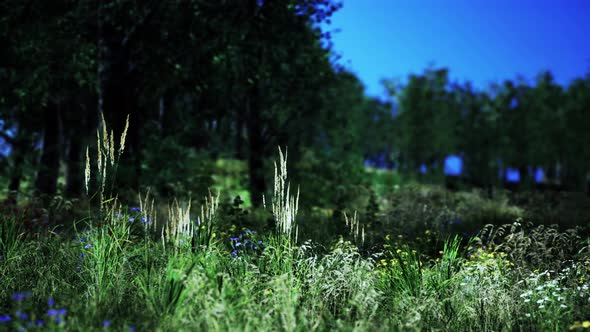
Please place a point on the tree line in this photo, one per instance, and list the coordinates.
(514, 124)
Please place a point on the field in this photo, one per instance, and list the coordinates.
(418, 258)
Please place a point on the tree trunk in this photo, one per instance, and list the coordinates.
(167, 115)
(118, 98)
(74, 167)
(20, 149)
(256, 149)
(239, 135)
(46, 182)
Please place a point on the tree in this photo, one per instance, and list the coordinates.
(427, 118)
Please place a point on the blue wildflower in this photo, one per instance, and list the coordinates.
(40, 322)
(22, 315)
(20, 296)
(238, 244)
(50, 302)
(255, 247)
(132, 328)
(135, 209)
(145, 220)
(106, 323)
(234, 239)
(5, 318)
(78, 267)
(131, 219)
(259, 241)
(56, 312)
(58, 320)
(87, 246)
(241, 235)
(117, 215)
(234, 253)
(81, 255)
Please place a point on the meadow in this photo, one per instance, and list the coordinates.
(418, 258)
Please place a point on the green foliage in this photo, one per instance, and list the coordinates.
(12, 234)
(174, 170)
(331, 180)
(166, 291)
(529, 245)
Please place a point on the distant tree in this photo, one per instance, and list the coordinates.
(427, 118)
(576, 159)
(478, 136)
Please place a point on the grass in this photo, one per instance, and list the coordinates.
(192, 268)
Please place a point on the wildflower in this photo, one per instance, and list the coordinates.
(81, 255)
(56, 312)
(131, 219)
(20, 296)
(255, 247)
(131, 328)
(526, 294)
(541, 306)
(259, 241)
(5, 318)
(50, 302)
(135, 209)
(88, 246)
(233, 239)
(106, 323)
(586, 324)
(40, 322)
(238, 244)
(22, 315)
(78, 239)
(145, 220)
(234, 253)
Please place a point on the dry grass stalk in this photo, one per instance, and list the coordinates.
(105, 145)
(284, 205)
(354, 228)
(147, 208)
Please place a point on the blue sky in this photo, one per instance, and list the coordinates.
(480, 41)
